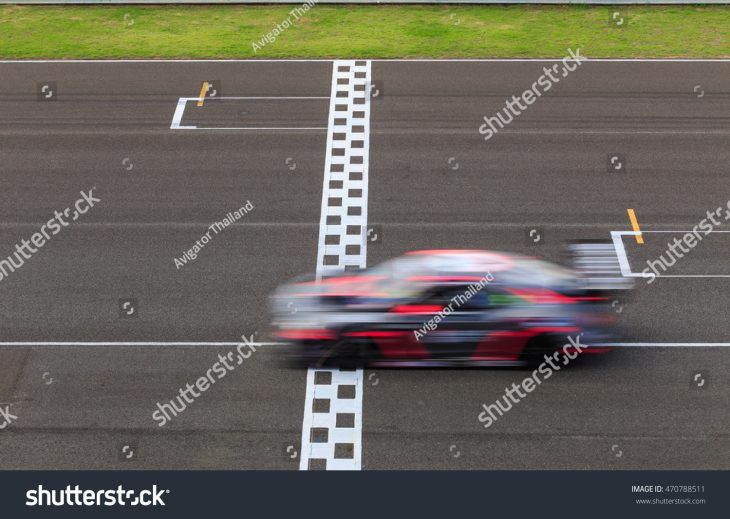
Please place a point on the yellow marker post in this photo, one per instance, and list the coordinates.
(203, 91)
(635, 226)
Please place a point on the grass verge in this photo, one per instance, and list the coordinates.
(378, 31)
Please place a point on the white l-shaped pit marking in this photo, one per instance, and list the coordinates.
(183, 101)
(623, 259)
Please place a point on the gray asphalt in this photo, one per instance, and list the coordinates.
(434, 182)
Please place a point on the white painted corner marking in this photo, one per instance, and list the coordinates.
(183, 101)
(618, 243)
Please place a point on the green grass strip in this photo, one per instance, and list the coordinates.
(378, 31)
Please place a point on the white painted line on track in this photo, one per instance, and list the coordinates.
(579, 131)
(663, 344)
(378, 60)
(623, 260)
(332, 425)
(618, 243)
(208, 99)
(286, 128)
(133, 343)
(264, 344)
(177, 117)
(183, 101)
(83, 344)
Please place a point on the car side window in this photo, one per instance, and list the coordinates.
(440, 297)
(460, 298)
(481, 300)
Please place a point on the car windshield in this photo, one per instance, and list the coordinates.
(541, 273)
(399, 276)
(404, 277)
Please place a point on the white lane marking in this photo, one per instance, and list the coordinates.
(623, 260)
(663, 344)
(579, 131)
(617, 237)
(264, 344)
(177, 117)
(183, 101)
(207, 99)
(287, 128)
(379, 60)
(598, 227)
(667, 232)
(332, 424)
(133, 343)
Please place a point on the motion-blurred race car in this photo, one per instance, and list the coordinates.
(450, 308)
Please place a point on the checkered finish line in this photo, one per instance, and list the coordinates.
(342, 229)
(332, 427)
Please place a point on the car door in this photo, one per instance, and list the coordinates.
(459, 327)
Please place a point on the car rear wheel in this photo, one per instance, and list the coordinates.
(349, 354)
(536, 349)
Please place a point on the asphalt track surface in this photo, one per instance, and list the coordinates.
(434, 183)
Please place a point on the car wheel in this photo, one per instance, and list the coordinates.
(536, 349)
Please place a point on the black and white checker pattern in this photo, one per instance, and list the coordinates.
(331, 438)
(345, 191)
(332, 426)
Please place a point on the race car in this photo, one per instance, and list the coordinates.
(450, 308)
